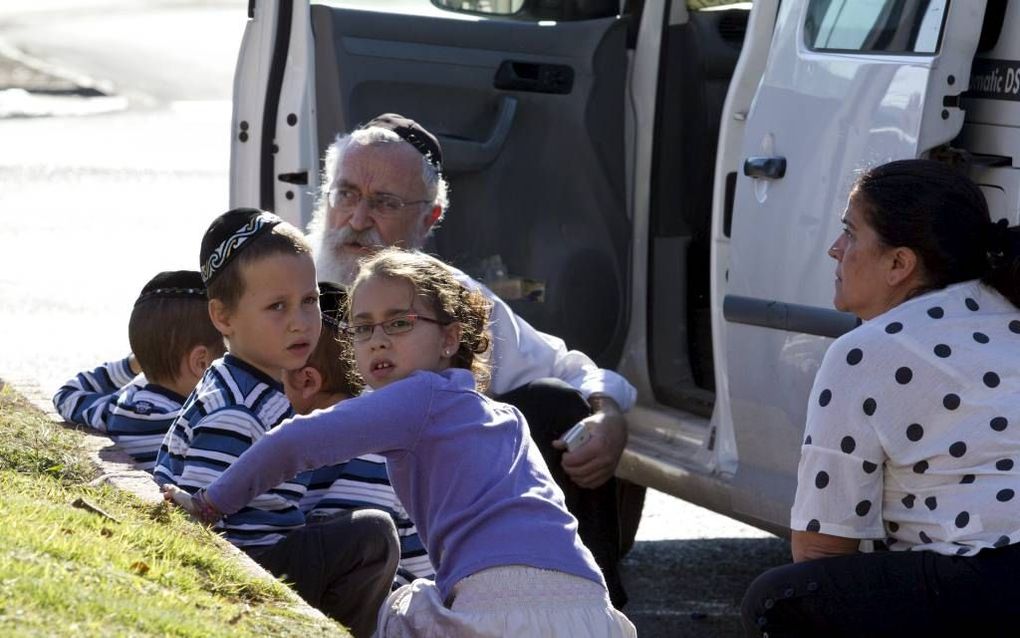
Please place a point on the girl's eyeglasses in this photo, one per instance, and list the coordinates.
(395, 326)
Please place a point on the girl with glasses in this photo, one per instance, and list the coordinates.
(507, 555)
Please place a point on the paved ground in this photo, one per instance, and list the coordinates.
(100, 191)
(688, 571)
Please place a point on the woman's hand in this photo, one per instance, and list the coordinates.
(812, 545)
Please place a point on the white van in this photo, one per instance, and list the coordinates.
(654, 183)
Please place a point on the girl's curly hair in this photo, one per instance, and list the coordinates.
(435, 284)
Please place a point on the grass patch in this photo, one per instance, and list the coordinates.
(146, 570)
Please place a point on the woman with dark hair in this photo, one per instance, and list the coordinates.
(913, 426)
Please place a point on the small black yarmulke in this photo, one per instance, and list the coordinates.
(180, 284)
(413, 133)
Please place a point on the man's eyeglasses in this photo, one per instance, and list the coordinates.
(395, 326)
(380, 203)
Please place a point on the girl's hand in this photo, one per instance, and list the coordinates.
(196, 505)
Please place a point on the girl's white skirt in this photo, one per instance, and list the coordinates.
(505, 601)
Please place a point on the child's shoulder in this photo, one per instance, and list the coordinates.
(159, 393)
(238, 379)
(451, 379)
(146, 398)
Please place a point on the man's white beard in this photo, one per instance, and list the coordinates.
(332, 263)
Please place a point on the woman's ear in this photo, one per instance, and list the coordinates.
(219, 314)
(904, 267)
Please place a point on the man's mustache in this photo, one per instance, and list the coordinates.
(346, 235)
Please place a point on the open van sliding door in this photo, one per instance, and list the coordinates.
(848, 84)
(530, 118)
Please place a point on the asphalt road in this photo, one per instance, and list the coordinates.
(103, 192)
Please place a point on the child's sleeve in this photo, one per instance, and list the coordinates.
(87, 398)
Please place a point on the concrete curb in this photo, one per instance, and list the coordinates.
(118, 471)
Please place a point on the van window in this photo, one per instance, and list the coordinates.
(500, 7)
(556, 10)
(875, 26)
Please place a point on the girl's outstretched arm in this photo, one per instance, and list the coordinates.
(387, 420)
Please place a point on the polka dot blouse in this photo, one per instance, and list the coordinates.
(913, 427)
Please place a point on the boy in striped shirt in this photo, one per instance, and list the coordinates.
(263, 299)
(362, 482)
(135, 400)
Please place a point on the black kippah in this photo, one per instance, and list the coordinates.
(412, 133)
(332, 298)
(228, 234)
(180, 284)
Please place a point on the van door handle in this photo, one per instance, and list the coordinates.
(466, 156)
(534, 77)
(765, 167)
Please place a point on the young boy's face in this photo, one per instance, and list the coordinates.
(275, 324)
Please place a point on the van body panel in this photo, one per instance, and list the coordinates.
(729, 157)
(826, 114)
(251, 76)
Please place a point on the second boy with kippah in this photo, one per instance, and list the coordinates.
(172, 343)
(263, 299)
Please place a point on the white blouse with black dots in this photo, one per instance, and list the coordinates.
(913, 427)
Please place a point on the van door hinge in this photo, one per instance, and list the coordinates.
(294, 178)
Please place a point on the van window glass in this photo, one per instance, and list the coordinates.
(875, 26)
(698, 5)
(539, 10)
(497, 7)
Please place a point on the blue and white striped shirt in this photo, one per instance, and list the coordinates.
(232, 407)
(134, 413)
(363, 482)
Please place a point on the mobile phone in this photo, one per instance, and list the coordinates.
(576, 436)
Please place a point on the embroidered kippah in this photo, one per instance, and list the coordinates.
(179, 284)
(332, 298)
(414, 134)
(228, 234)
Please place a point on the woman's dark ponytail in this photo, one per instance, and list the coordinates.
(1004, 260)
